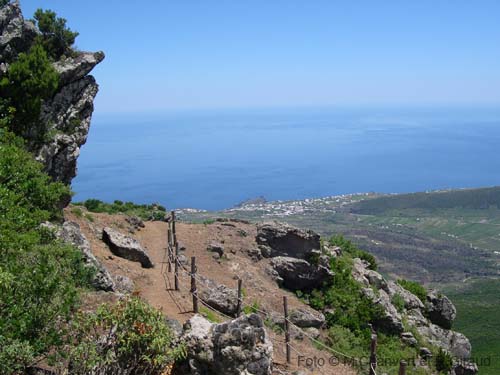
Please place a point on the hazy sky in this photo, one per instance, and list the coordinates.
(225, 54)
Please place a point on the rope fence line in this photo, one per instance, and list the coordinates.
(172, 256)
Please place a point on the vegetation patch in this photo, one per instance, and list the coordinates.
(144, 211)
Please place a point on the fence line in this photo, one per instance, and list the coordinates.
(172, 256)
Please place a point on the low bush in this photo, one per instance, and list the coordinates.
(351, 249)
(153, 212)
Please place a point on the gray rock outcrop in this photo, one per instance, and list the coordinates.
(237, 347)
(126, 247)
(299, 274)
(67, 115)
(440, 309)
(285, 240)
(306, 319)
(70, 233)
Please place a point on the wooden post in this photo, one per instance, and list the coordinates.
(174, 234)
(287, 331)
(373, 354)
(169, 248)
(176, 267)
(238, 306)
(402, 367)
(194, 291)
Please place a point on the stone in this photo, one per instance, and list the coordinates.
(126, 247)
(453, 342)
(298, 274)
(409, 339)
(216, 247)
(70, 233)
(391, 321)
(464, 368)
(312, 332)
(304, 318)
(425, 352)
(440, 309)
(411, 300)
(135, 222)
(124, 284)
(175, 326)
(74, 68)
(285, 240)
(255, 254)
(237, 347)
(218, 296)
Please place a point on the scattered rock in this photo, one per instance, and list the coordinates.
(124, 284)
(175, 326)
(255, 254)
(440, 309)
(126, 247)
(425, 353)
(411, 300)
(313, 332)
(298, 274)
(409, 339)
(241, 233)
(305, 318)
(453, 342)
(219, 296)
(464, 368)
(236, 347)
(285, 240)
(70, 233)
(135, 222)
(216, 247)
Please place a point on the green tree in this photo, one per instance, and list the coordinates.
(30, 80)
(56, 38)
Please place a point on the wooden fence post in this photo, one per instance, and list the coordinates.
(176, 267)
(402, 367)
(169, 248)
(174, 234)
(287, 330)
(238, 306)
(194, 291)
(373, 354)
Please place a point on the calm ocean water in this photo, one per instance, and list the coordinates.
(214, 160)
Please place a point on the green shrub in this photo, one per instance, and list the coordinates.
(399, 303)
(444, 361)
(414, 288)
(56, 38)
(210, 315)
(39, 277)
(4, 2)
(348, 247)
(30, 80)
(152, 212)
(138, 340)
(254, 308)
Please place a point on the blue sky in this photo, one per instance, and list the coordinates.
(164, 55)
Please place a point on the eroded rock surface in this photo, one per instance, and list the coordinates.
(126, 247)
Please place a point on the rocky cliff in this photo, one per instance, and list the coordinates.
(68, 113)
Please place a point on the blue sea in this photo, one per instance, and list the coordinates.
(216, 159)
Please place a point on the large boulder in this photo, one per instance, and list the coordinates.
(285, 240)
(306, 319)
(237, 347)
(440, 309)
(464, 368)
(391, 320)
(70, 233)
(219, 296)
(76, 67)
(411, 300)
(126, 247)
(453, 342)
(299, 274)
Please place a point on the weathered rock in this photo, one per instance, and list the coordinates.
(440, 309)
(219, 296)
(425, 352)
(126, 247)
(453, 342)
(411, 300)
(70, 233)
(464, 368)
(255, 254)
(330, 250)
(313, 332)
(285, 240)
(391, 321)
(135, 222)
(409, 339)
(16, 34)
(299, 274)
(74, 68)
(67, 115)
(124, 284)
(305, 318)
(175, 326)
(237, 347)
(216, 247)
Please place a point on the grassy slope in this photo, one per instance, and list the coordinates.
(439, 238)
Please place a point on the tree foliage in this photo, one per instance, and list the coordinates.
(350, 248)
(56, 38)
(30, 80)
